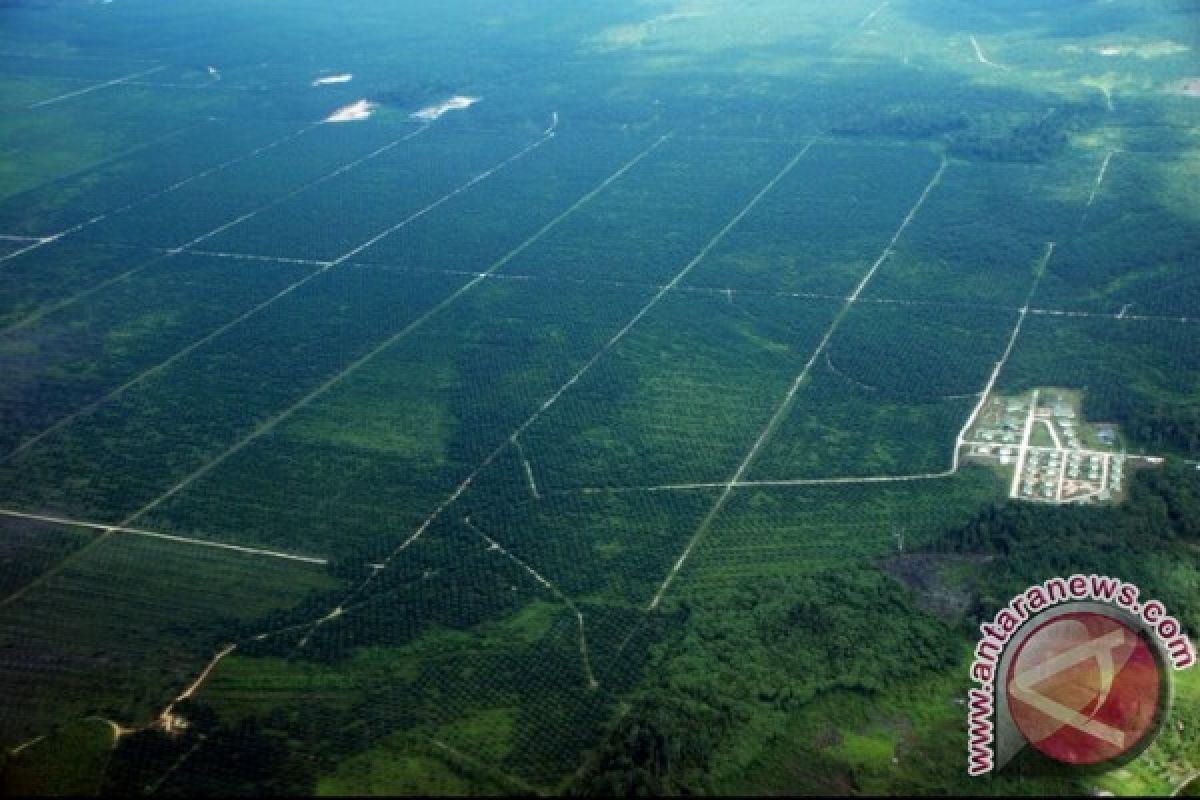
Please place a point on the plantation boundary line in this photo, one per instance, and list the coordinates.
(1040, 270)
(13, 751)
(76, 57)
(491, 457)
(107, 528)
(866, 387)
(253, 257)
(301, 189)
(867, 19)
(527, 467)
(785, 405)
(93, 88)
(474, 762)
(103, 162)
(152, 788)
(222, 329)
(1100, 177)
(592, 683)
(198, 682)
(607, 346)
(525, 245)
(983, 59)
(342, 608)
(34, 245)
(1178, 790)
(216, 86)
(274, 420)
(141, 201)
(512, 276)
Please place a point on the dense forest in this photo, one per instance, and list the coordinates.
(987, 136)
(756, 655)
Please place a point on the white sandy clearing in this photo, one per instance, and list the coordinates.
(1188, 86)
(344, 77)
(457, 103)
(354, 112)
(1143, 50)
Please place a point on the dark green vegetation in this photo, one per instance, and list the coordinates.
(480, 386)
(30, 548)
(677, 400)
(890, 394)
(984, 233)
(123, 625)
(68, 762)
(1134, 248)
(1143, 374)
(825, 223)
(1021, 137)
(842, 680)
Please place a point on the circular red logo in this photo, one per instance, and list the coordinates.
(1084, 688)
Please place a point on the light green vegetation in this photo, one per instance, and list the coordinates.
(790, 530)
(1040, 437)
(678, 400)
(1174, 757)
(118, 629)
(398, 766)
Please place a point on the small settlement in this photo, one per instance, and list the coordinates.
(1054, 455)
